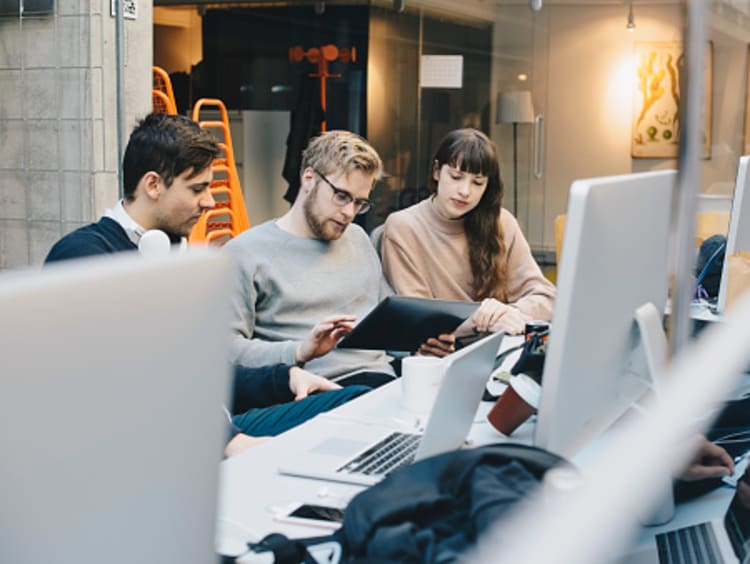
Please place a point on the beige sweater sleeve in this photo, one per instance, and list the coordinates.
(425, 258)
(527, 289)
(404, 268)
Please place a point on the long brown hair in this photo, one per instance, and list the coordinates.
(472, 151)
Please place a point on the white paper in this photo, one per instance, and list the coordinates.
(441, 71)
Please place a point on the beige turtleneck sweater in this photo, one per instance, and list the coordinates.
(426, 255)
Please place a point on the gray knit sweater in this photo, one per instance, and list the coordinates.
(287, 284)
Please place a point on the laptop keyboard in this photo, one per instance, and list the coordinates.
(690, 545)
(394, 451)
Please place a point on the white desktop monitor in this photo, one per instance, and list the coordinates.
(738, 236)
(113, 372)
(615, 259)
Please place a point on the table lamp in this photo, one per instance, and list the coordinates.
(515, 107)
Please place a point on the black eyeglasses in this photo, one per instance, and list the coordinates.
(343, 198)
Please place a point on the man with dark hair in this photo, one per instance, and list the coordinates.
(167, 173)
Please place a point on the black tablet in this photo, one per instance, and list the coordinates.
(401, 323)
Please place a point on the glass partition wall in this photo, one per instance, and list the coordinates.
(579, 61)
(405, 73)
(404, 76)
(427, 75)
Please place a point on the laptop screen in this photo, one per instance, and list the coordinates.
(737, 521)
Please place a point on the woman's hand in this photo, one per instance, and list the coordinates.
(513, 322)
(487, 314)
(493, 315)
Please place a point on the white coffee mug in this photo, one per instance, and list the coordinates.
(421, 377)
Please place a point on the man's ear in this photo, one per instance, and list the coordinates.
(151, 185)
(307, 180)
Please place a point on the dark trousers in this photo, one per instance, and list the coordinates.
(370, 379)
(274, 420)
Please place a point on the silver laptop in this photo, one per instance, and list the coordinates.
(367, 454)
(113, 373)
(720, 541)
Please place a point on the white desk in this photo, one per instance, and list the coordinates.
(715, 202)
(252, 489)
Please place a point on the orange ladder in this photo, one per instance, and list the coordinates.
(162, 95)
(225, 187)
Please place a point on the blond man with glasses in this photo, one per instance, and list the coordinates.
(306, 277)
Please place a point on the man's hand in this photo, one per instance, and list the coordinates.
(302, 383)
(324, 337)
(241, 442)
(710, 461)
(441, 346)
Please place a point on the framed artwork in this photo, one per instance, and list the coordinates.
(656, 100)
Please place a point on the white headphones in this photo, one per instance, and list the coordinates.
(154, 243)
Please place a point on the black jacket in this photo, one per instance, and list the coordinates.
(435, 509)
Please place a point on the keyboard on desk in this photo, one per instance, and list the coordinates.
(394, 451)
(689, 545)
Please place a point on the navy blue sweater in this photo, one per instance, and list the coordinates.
(260, 387)
(104, 237)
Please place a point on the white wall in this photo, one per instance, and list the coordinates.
(590, 84)
(582, 80)
(729, 91)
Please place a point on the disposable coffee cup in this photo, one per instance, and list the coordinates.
(518, 402)
(421, 377)
(661, 510)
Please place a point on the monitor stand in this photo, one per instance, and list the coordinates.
(654, 344)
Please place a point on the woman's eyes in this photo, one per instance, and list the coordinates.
(477, 181)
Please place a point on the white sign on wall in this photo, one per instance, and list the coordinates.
(441, 71)
(129, 8)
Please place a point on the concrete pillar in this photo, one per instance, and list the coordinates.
(58, 144)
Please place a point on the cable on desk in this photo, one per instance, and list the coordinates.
(735, 437)
(278, 548)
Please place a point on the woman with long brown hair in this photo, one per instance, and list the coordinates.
(460, 244)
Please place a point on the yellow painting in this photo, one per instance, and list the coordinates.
(656, 103)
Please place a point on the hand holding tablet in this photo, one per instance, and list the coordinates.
(401, 323)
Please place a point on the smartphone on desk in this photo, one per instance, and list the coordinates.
(310, 515)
